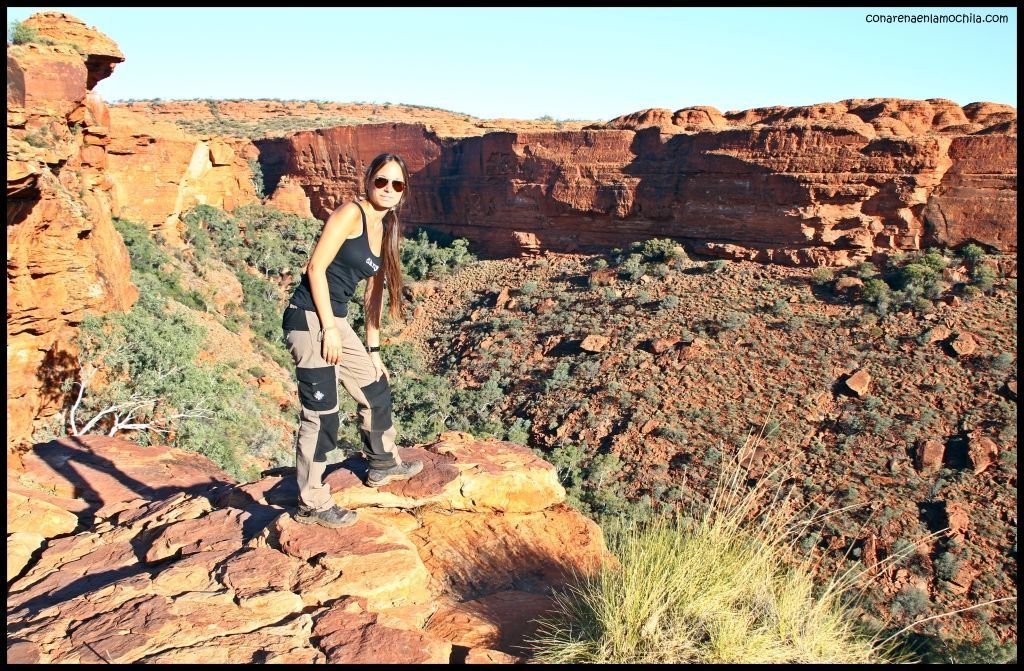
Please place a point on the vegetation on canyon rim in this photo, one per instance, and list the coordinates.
(568, 407)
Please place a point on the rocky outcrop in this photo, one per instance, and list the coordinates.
(836, 183)
(158, 170)
(64, 256)
(179, 563)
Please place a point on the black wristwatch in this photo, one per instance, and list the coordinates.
(373, 349)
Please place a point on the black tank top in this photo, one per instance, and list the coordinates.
(353, 263)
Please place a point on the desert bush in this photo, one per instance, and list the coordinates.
(866, 270)
(153, 269)
(1002, 361)
(632, 268)
(972, 253)
(711, 587)
(910, 603)
(257, 178)
(148, 356)
(734, 320)
(780, 308)
(823, 276)
(877, 293)
(983, 277)
(426, 253)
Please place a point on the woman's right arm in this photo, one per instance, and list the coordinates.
(341, 224)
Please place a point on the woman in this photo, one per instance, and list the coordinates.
(327, 351)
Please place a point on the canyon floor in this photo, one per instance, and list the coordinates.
(674, 389)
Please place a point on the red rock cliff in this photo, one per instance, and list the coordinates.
(64, 256)
(824, 184)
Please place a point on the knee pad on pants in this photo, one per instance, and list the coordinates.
(327, 438)
(378, 397)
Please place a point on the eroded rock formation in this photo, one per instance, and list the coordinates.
(158, 170)
(824, 184)
(64, 256)
(174, 561)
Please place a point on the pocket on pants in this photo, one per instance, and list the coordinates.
(318, 388)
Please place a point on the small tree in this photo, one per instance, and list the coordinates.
(19, 33)
(972, 253)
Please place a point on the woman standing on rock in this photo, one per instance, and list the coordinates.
(326, 349)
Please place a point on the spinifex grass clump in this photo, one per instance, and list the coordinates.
(723, 589)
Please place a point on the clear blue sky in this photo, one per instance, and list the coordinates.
(593, 63)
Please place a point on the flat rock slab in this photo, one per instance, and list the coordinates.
(451, 565)
(103, 470)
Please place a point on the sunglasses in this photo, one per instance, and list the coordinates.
(396, 184)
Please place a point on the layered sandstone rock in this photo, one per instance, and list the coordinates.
(196, 568)
(64, 256)
(158, 170)
(836, 183)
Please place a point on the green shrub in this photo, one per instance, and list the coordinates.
(717, 265)
(519, 431)
(780, 308)
(655, 250)
(276, 243)
(946, 566)
(153, 269)
(822, 276)
(934, 259)
(971, 293)
(910, 603)
(559, 376)
(1002, 361)
(149, 354)
(983, 277)
(734, 320)
(916, 275)
(19, 33)
(257, 178)
(866, 270)
(660, 250)
(632, 268)
(876, 292)
(220, 230)
(972, 253)
(433, 254)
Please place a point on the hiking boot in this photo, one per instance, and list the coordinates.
(332, 518)
(382, 476)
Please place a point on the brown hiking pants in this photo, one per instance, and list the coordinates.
(318, 400)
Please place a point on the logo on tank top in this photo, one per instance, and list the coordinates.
(373, 265)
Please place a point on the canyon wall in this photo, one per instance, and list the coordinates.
(829, 184)
(64, 256)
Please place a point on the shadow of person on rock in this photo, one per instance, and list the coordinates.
(71, 458)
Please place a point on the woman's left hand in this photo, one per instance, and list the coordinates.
(379, 365)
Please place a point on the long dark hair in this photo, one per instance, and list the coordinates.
(391, 260)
